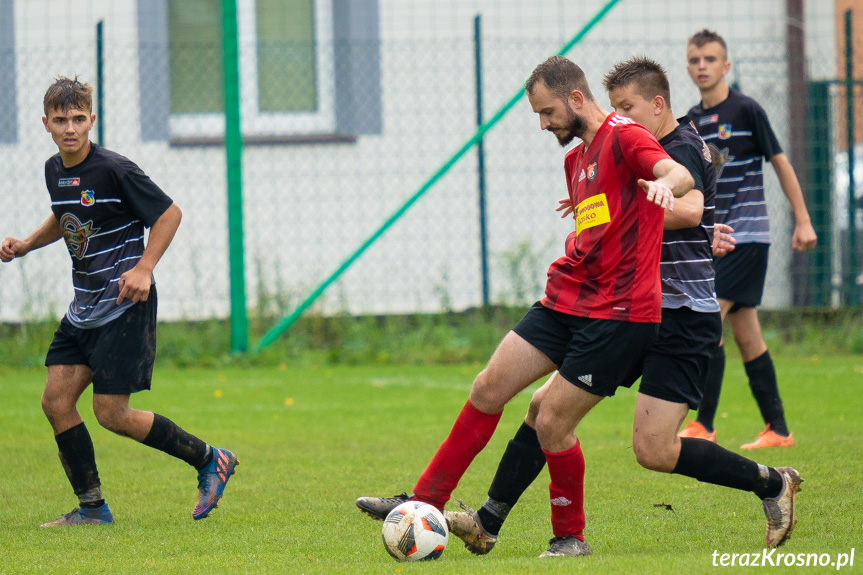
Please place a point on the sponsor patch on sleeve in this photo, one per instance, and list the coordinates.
(591, 212)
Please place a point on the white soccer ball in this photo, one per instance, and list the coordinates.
(415, 531)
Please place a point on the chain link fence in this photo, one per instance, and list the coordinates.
(380, 96)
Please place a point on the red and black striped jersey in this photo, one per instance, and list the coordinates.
(611, 266)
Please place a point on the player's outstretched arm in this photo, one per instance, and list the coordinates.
(47, 233)
(673, 175)
(804, 237)
(135, 283)
(672, 181)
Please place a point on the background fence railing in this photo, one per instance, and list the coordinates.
(399, 95)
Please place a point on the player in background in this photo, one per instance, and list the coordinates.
(674, 366)
(602, 303)
(738, 133)
(100, 204)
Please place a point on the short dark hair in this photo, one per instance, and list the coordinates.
(649, 77)
(706, 36)
(68, 93)
(561, 76)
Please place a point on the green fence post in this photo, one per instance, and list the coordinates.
(851, 269)
(820, 187)
(100, 62)
(234, 157)
(480, 160)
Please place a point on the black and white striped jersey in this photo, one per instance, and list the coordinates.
(739, 136)
(103, 205)
(686, 263)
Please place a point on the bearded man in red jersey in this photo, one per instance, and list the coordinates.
(602, 304)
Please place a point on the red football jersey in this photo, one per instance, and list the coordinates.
(611, 266)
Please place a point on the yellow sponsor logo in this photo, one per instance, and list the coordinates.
(591, 212)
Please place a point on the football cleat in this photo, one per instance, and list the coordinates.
(780, 509)
(212, 479)
(566, 547)
(769, 438)
(467, 526)
(696, 430)
(84, 516)
(379, 507)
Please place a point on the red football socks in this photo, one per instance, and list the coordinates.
(566, 490)
(469, 435)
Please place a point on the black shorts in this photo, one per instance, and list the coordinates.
(676, 364)
(120, 353)
(597, 355)
(740, 275)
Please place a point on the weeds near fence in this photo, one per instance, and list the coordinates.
(467, 337)
(520, 264)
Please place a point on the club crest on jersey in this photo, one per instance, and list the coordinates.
(724, 131)
(88, 198)
(76, 234)
(591, 212)
(591, 171)
(67, 182)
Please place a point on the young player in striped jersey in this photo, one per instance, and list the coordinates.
(100, 203)
(675, 365)
(738, 133)
(603, 297)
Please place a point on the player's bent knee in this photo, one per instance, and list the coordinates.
(49, 407)
(53, 405)
(551, 434)
(110, 418)
(649, 460)
(533, 410)
(654, 456)
(485, 395)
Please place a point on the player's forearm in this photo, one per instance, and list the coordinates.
(673, 175)
(791, 187)
(161, 234)
(47, 233)
(681, 181)
(687, 212)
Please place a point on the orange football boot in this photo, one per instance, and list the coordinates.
(695, 430)
(769, 438)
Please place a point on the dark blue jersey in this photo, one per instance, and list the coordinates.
(103, 205)
(739, 136)
(686, 263)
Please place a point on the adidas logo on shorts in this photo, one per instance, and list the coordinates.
(586, 379)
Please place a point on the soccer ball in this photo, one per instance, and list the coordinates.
(415, 531)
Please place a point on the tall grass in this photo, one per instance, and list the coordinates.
(424, 339)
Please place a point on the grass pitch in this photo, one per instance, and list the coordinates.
(310, 440)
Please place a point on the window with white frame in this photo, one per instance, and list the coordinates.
(293, 80)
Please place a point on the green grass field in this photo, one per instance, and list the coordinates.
(311, 440)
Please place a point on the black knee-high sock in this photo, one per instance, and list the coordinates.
(712, 463)
(79, 462)
(762, 381)
(521, 463)
(712, 387)
(165, 435)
